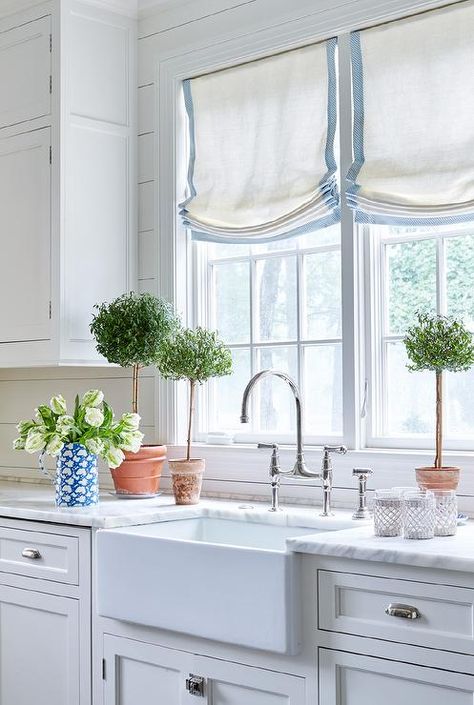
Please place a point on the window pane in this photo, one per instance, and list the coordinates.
(276, 311)
(411, 269)
(227, 393)
(322, 391)
(274, 246)
(410, 396)
(459, 395)
(322, 295)
(276, 408)
(224, 250)
(321, 238)
(232, 301)
(460, 277)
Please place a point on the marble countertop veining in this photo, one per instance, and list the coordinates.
(20, 500)
(446, 552)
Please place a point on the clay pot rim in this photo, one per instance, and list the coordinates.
(185, 460)
(432, 468)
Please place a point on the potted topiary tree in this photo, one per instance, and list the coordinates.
(195, 356)
(438, 343)
(128, 332)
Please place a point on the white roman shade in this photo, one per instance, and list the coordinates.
(413, 90)
(261, 134)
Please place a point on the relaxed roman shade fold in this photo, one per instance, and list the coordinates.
(261, 164)
(413, 91)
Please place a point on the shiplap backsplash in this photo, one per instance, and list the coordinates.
(21, 390)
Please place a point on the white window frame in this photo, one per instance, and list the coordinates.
(203, 315)
(376, 331)
(209, 53)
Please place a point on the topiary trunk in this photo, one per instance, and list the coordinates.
(135, 380)
(192, 396)
(439, 420)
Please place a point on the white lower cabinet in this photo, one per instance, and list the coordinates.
(352, 679)
(39, 647)
(145, 674)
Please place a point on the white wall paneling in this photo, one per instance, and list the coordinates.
(21, 390)
(146, 157)
(146, 108)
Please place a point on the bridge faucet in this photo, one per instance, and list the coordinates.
(300, 469)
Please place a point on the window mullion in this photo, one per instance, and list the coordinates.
(441, 293)
(350, 263)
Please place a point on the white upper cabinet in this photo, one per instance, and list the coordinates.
(25, 70)
(67, 175)
(25, 233)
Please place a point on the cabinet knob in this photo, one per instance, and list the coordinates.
(404, 611)
(195, 685)
(31, 553)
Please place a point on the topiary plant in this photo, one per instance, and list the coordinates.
(194, 355)
(130, 330)
(439, 343)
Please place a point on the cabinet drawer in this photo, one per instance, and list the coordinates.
(39, 555)
(356, 604)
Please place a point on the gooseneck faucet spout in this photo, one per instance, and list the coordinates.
(300, 468)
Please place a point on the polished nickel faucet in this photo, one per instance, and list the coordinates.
(300, 468)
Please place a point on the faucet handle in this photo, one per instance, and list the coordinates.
(335, 449)
(275, 470)
(362, 473)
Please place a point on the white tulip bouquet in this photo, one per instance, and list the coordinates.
(92, 424)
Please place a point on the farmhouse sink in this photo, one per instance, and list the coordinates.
(231, 581)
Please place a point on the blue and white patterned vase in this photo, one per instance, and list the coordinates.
(77, 482)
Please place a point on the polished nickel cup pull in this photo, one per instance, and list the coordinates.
(404, 611)
(31, 553)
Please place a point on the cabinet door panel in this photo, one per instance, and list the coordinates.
(25, 236)
(233, 684)
(39, 647)
(350, 679)
(144, 674)
(25, 68)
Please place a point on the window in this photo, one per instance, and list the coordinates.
(277, 305)
(417, 269)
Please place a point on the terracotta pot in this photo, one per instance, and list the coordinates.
(186, 476)
(446, 478)
(140, 472)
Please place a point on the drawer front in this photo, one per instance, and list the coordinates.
(39, 555)
(441, 618)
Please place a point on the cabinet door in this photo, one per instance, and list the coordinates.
(233, 684)
(25, 237)
(39, 648)
(25, 69)
(144, 674)
(350, 679)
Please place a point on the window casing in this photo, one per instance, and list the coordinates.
(365, 421)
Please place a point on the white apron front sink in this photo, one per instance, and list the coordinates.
(231, 581)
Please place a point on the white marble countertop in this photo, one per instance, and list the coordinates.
(331, 536)
(20, 500)
(447, 552)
